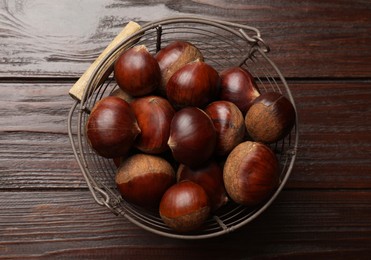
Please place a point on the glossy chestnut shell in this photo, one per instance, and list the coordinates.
(111, 127)
(251, 173)
(239, 87)
(209, 177)
(174, 56)
(142, 179)
(195, 84)
(229, 124)
(137, 72)
(192, 137)
(184, 206)
(154, 115)
(270, 118)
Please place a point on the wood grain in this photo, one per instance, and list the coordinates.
(46, 209)
(334, 148)
(312, 39)
(335, 141)
(71, 225)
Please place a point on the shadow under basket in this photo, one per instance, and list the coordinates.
(223, 45)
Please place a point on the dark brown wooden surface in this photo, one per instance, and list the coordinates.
(46, 209)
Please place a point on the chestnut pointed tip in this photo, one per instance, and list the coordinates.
(136, 129)
(255, 93)
(140, 47)
(171, 143)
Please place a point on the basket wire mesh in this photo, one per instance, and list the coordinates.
(223, 45)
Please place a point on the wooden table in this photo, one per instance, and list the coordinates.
(323, 48)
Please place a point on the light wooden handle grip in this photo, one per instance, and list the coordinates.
(78, 88)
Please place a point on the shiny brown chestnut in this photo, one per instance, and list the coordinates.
(142, 179)
(229, 124)
(184, 207)
(154, 115)
(239, 87)
(270, 118)
(192, 137)
(111, 127)
(251, 173)
(174, 56)
(137, 72)
(195, 84)
(209, 177)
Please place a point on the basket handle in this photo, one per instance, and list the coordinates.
(77, 90)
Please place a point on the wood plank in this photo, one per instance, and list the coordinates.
(34, 145)
(335, 141)
(334, 146)
(35, 107)
(317, 39)
(69, 224)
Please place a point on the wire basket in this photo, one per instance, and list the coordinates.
(223, 44)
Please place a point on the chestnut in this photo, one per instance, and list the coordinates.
(154, 115)
(194, 84)
(251, 173)
(111, 127)
(238, 86)
(209, 177)
(192, 137)
(270, 118)
(137, 72)
(184, 207)
(142, 179)
(174, 56)
(118, 92)
(229, 124)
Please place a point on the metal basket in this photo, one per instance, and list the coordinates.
(223, 45)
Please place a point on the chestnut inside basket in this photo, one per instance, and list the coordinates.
(223, 45)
